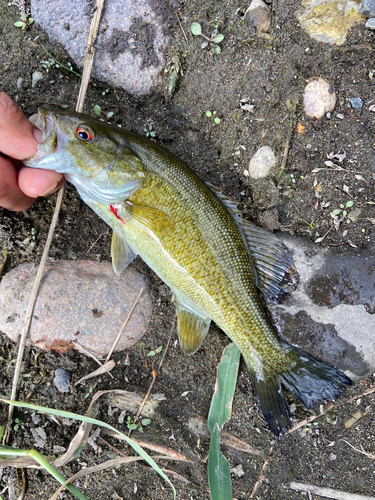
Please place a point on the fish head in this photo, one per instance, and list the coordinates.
(93, 155)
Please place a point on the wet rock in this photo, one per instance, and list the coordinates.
(356, 102)
(370, 23)
(131, 45)
(259, 14)
(35, 78)
(262, 162)
(367, 8)
(62, 380)
(329, 21)
(78, 301)
(331, 315)
(318, 98)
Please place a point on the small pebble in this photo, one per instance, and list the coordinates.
(370, 24)
(258, 13)
(356, 102)
(36, 77)
(318, 98)
(62, 380)
(19, 82)
(262, 162)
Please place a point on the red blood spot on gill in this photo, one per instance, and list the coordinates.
(114, 210)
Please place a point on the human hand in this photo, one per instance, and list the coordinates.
(20, 185)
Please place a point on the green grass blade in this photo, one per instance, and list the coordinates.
(9, 451)
(220, 411)
(94, 421)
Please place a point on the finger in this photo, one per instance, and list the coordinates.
(36, 182)
(11, 196)
(17, 137)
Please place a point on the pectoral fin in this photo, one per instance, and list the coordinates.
(192, 327)
(121, 253)
(156, 220)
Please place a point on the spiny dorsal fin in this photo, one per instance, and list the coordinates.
(272, 260)
(122, 254)
(192, 327)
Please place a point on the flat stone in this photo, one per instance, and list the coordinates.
(329, 21)
(262, 162)
(367, 8)
(370, 23)
(131, 45)
(331, 315)
(318, 98)
(78, 301)
(259, 14)
(62, 380)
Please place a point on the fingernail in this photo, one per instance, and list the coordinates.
(52, 188)
(38, 134)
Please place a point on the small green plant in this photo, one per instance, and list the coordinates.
(18, 424)
(97, 110)
(152, 353)
(51, 61)
(132, 424)
(210, 114)
(24, 23)
(342, 210)
(310, 224)
(215, 38)
(149, 132)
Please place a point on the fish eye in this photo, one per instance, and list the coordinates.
(85, 134)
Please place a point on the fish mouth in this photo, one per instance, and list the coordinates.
(53, 141)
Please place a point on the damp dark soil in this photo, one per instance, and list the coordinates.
(270, 73)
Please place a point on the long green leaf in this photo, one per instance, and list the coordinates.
(6, 451)
(94, 421)
(220, 411)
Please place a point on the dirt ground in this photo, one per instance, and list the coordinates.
(269, 72)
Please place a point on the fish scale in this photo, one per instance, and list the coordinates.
(217, 265)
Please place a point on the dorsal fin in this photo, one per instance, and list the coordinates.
(192, 327)
(272, 260)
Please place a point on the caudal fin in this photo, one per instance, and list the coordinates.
(307, 379)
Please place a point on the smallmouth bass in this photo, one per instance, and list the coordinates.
(217, 265)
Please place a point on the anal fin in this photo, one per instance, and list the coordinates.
(192, 327)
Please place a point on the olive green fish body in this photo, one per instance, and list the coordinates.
(217, 266)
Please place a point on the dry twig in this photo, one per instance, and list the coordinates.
(327, 492)
(262, 475)
(155, 374)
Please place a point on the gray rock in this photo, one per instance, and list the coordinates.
(131, 46)
(370, 24)
(356, 102)
(367, 8)
(78, 301)
(62, 380)
(331, 315)
(259, 14)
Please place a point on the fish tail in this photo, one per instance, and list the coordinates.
(307, 379)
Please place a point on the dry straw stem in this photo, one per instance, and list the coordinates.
(327, 492)
(79, 107)
(155, 373)
(262, 475)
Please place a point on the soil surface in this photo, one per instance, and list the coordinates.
(269, 72)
